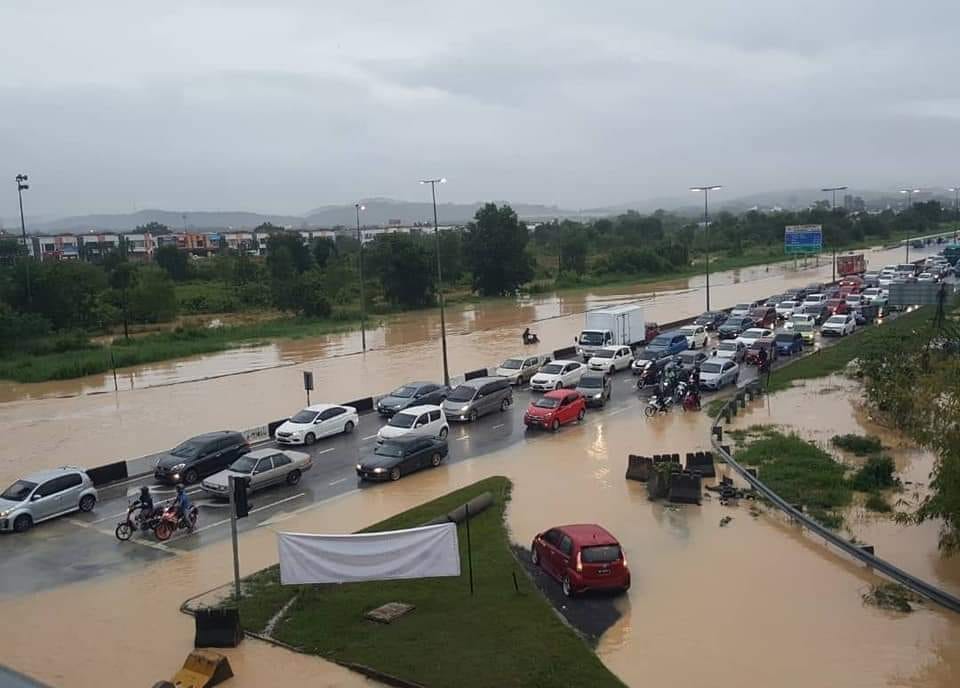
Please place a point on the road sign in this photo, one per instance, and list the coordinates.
(803, 239)
(918, 293)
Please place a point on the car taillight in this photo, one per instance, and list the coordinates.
(623, 559)
(579, 563)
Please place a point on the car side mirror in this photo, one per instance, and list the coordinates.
(34, 497)
(318, 421)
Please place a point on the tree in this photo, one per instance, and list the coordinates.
(494, 247)
(64, 292)
(172, 261)
(573, 250)
(451, 254)
(405, 267)
(152, 298)
(323, 250)
(154, 228)
(313, 301)
(298, 256)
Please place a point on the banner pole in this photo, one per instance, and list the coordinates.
(469, 547)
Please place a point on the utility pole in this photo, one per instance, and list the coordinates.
(436, 233)
(706, 229)
(363, 303)
(833, 206)
(909, 193)
(21, 187)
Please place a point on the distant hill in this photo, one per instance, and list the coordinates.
(173, 219)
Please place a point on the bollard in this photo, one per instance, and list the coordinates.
(685, 488)
(639, 467)
(718, 432)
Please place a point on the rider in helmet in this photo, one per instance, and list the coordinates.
(183, 504)
(144, 502)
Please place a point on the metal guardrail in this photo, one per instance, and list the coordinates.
(915, 584)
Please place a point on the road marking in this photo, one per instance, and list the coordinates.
(621, 410)
(368, 437)
(497, 427)
(326, 450)
(337, 482)
(252, 511)
(465, 437)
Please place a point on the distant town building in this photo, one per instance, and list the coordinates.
(854, 204)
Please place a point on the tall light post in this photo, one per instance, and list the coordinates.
(706, 228)
(833, 206)
(956, 201)
(363, 304)
(436, 233)
(21, 187)
(909, 193)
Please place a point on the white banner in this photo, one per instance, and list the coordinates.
(424, 552)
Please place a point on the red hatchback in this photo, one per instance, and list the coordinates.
(582, 557)
(554, 409)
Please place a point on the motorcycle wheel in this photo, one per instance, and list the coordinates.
(163, 531)
(650, 411)
(124, 531)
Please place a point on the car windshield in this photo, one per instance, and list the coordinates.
(512, 364)
(784, 337)
(590, 382)
(688, 330)
(591, 338)
(753, 332)
(803, 326)
(733, 322)
(552, 369)
(661, 342)
(703, 320)
(605, 353)
(403, 420)
(547, 402)
(404, 392)
(461, 393)
(304, 416)
(18, 491)
(187, 450)
(787, 304)
(837, 320)
(244, 464)
(742, 307)
(689, 357)
(602, 554)
(394, 451)
(728, 346)
(711, 367)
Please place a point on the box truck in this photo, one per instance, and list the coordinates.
(623, 325)
(851, 265)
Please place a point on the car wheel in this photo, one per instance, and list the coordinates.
(555, 425)
(190, 477)
(612, 370)
(567, 587)
(504, 404)
(444, 432)
(534, 555)
(395, 473)
(309, 439)
(348, 428)
(581, 415)
(87, 503)
(559, 385)
(23, 523)
(473, 416)
(293, 477)
(436, 459)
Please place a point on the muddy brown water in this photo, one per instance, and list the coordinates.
(755, 603)
(56, 422)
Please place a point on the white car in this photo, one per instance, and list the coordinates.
(716, 373)
(886, 279)
(696, 335)
(838, 325)
(786, 308)
(556, 375)
(730, 349)
(521, 368)
(320, 420)
(416, 421)
(875, 296)
(800, 317)
(927, 277)
(855, 300)
(753, 334)
(815, 299)
(610, 359)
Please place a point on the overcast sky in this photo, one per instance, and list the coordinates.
(115, 106)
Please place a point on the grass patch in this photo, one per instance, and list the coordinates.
(498, 637)
(714, 407)
(860, 445)
(877, 473)
(877, 502)
(891, 596)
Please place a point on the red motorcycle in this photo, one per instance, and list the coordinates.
(691, 401)
(170, 522)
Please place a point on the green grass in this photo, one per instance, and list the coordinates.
(498, 637)
(858, 444)
(877, 473)
(877, 502)
(207, 297)
(158, 347)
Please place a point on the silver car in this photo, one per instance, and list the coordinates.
(44, 495)
(718, 372)
(264, 467)
(521, 368)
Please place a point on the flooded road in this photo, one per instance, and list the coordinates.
(43, 429)
(709, 606)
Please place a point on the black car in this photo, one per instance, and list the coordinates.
(412, 394)
(734, 327)
(711, 320)
(397, 457)
(689, 360)
(819, 311)
(199, 457)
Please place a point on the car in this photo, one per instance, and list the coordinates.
(264, 467)
(815, 299)
(853, 301)
(426, 421)
(772, 301)
(753, 334)
(595, 388)
(43, 495)
(767, 344)
(696, 335)
(689, 360)
(795, 295)
(786, 308)
(520, 369)
(199, 457)
(412, 394)
(927, 277)
(799, 317)
(715, 374)
(660, 359)
(916, 243)
(732, 350)
(557, 375)
(315, 422)
(554, 409)
(807, 330)
(398, 457)
(581, 557)
(764, 316)
(672, 342)
(742, 309)
(610, 359)
(838, 325)
(851, 281)
(836, 292)
(875, 296)
(788, 343)
(818, 311)
(478, 397)
(710, 320)
(836, 306)
(734, 326)
(871, 279)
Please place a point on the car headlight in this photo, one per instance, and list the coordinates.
(359, 467)
(597, 395)
(179, 467)
(379, 470)
(464, 408)
(4, 514)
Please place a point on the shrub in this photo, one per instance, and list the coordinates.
(876, 502)
(876, 474)
(858, 444)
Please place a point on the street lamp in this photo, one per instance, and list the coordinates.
(21, 187)
(956, 201)
(436, 233)
(909, 193)
(833, 206)
(363, 304)
(706, 228)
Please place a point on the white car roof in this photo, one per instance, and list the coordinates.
(609, 347)
(317, 408)
(756, 330)
(420, 409)
(563, 361)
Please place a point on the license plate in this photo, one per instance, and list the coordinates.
(603, 572)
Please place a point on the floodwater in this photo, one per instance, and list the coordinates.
(55, 422)
(753, 603)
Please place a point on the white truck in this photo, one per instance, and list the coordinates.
(621, 325)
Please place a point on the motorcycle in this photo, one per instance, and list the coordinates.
(648, 377)
(691, 401)
(170, 522)
(531, 339)
(657, 405)
(137, 518)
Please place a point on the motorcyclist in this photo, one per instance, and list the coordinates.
(526, 335)
(762, 358)
(183, 505)
(144, 502)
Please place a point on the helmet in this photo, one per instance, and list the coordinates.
(179, 488)
(144, 490)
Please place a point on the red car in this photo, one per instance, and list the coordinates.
(837, 307)
(582, 557)
(556, 408)
(764, 316)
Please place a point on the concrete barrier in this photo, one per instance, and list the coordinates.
(639, 467)
(111, 473)
(702, 464)
(474, 374)
(565, 352)
(364, 405)
(684, 488)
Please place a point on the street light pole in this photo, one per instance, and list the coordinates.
(706, 228)
(956, 202)
(363, 304)
(21, 187)
(436, 233)
(909, 193)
